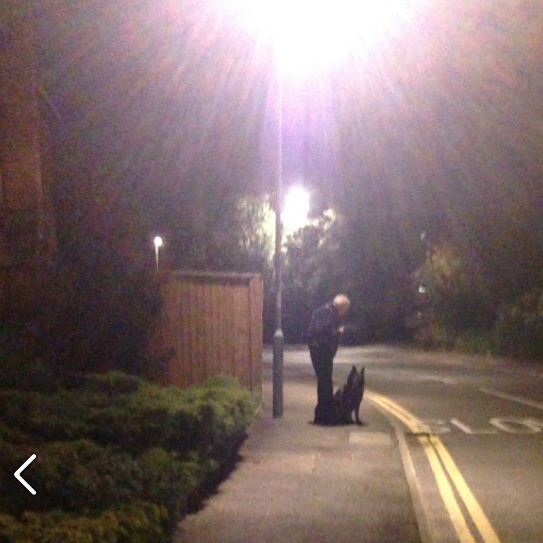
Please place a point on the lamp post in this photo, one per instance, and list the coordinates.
(309, 36)
(278, 337)
(289, 217)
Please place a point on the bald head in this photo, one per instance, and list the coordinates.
(341, 303)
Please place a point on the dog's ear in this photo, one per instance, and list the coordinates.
(352, 375)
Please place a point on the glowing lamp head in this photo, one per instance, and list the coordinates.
(311, 34)
(158, 242)
(295, 210)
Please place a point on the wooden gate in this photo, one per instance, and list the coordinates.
(211, 324)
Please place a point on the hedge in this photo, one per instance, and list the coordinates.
(137, 522)
(117, 457)
(81, 475)
(519, 329)
(204, 419)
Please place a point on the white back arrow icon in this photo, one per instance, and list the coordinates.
(20, 470)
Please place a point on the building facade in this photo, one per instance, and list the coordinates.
(25, 235)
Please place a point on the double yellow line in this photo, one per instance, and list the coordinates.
(446, 474)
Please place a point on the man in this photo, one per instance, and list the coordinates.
(323, 337)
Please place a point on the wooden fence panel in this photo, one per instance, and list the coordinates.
(212, 325)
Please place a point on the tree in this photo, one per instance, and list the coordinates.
(311, 275)
(452, 305)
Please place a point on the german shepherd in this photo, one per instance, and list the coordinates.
(349, 397)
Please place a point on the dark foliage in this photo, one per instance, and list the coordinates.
(117, 457)
(192, 420)
(519, 329)
(136, 522)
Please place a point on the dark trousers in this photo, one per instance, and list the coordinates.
(322, 360)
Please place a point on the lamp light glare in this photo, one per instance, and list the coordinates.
(296, 210)
(310, 34)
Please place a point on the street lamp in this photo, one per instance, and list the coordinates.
(158, 242)
(308, 36)
(278, 337)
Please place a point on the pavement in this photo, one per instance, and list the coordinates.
(299, 483)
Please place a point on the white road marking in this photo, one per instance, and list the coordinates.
(514, 425)
(469, 430)
(537, 422)
(509, 425)
(511, 397)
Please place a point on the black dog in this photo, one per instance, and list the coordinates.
(349, 397)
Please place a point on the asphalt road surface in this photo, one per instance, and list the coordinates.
(471, 434)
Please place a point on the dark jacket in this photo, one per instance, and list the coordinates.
(323, 330)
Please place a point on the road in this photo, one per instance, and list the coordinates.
(471, 434)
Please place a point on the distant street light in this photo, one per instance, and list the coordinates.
(158, 242)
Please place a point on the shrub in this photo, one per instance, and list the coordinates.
(432, 335)
(82, 476)
(475, 342)
(24, 373)
(214, 417)
(137, 522)
(169, 480)
(117, 455)
(70, 476)
(15, 436)
(113, 383)
(204, 419)
(519, 330)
